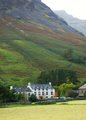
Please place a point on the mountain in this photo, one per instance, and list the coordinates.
(34, 39)
(76, 23)
(36, 11)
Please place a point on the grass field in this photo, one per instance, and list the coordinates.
(46, 112)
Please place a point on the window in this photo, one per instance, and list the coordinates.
(42, 93)
(51, 93)
(35, 89)
(39, 89)
(46, 93)
(82, 91)
(46, 88)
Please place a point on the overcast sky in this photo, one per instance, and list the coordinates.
(77, 8)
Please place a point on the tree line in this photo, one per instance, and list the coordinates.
(64, 81)
(57, 77)
(72, 57)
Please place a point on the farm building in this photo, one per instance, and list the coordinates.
(82, 90)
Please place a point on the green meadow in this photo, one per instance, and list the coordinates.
(73, 110)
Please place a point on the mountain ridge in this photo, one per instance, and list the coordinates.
(34, 10)
(74, 22)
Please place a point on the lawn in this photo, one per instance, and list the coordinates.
(45, 112)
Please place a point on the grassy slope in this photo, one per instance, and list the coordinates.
(26, 49)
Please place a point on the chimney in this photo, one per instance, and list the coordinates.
(29, 84)
(11, 87)
(50, 83)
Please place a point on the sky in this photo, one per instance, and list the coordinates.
(77, 8)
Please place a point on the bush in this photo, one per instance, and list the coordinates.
(5, 94)
(85, 94)
(32, 98)
(46, 102)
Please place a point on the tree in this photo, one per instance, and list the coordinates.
(57, 77)
(5, 94)
(33, 98)
(65, 88)
(85, 94)
(68, 54)
(20, 97)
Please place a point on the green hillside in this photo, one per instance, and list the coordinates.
(28, 48)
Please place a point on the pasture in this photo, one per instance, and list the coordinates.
(75, 110)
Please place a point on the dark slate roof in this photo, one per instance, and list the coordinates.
(26, 89)
(33, 86)
(41, 86)
(83, 87)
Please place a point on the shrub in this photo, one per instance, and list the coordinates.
(32, 98)
(46, 102)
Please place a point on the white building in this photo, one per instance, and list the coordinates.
(41, 91)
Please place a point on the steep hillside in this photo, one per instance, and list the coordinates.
(26, 50)
(76, 23)
(28, 47)
(36, 11)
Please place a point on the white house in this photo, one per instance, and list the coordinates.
(40, 90)
(82, 90)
